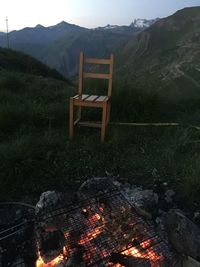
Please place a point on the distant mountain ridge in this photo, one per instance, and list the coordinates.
(40, 34)
(59, 46)
(137, 23)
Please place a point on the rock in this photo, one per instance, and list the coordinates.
(142, 212)
(48, 203)
(182, 233)
(169, 194)
(196, 217)
(189, 262)
(165, 184)
(117, 184)
(155, 173)
(159, 186)
(140, 197)
(97, 185)
(144, 201)
(47, 200)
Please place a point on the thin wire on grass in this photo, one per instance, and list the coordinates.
(18, 203)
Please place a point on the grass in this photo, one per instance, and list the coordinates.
(18, 61)
(36, 155)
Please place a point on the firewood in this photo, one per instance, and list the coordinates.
(129, 261)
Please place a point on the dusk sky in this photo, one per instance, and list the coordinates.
(87, 13)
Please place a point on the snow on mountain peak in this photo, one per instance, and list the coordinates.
(107, 27)
(142, 23)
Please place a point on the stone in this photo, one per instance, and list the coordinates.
(189, 262)
(196, 217)
(155, 173)
(169, 194)
(97, 185)
(144, 201)
(47, 200)
(182, 233)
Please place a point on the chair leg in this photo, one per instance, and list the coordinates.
(71, 119)
(108, 114)
(103, 123)
(79, 113)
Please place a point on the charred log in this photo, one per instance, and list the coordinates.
(129, 261)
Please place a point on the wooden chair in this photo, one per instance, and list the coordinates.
(83, 100)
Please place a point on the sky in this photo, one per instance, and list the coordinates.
(86, 13)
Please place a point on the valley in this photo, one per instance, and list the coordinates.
(59, 46)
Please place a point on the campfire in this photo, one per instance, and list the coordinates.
(100, 230)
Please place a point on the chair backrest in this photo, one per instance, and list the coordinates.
(82, 74)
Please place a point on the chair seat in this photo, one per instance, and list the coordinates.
(90, 100)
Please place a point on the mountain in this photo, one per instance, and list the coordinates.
(11, 60)
(107, 27)
(134, 28)
(41, 34)
(64, 54)
(137, 23)
(165, 58)
(59, 46)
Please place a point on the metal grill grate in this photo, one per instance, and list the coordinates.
(104, 229)
(89, 224)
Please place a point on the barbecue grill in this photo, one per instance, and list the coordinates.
(98, 230)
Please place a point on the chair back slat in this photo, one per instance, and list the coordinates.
(95, 75)
(97, 61)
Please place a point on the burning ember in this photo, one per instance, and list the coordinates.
(62, 257)
(87, 237)
(111, 234)
(84, 230)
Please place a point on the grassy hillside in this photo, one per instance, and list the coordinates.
(20, 62)
(164, 60)
(36, 155)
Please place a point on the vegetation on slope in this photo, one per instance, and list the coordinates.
(59, 46)
(165, 58)
(20, 62)
(36, 155)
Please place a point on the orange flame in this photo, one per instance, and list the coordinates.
(98, 219)
(149, 254)
(54, 262)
